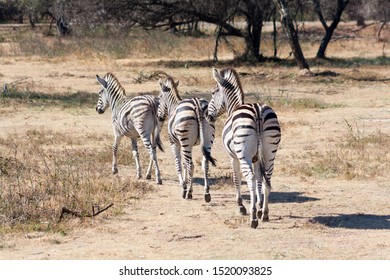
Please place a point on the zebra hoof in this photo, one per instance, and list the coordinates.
(148, 177)
(254, 223)
(242, 210)
(265, 218)
(189, 196)
(184, 194)
(114, 171)
(207, 197)
(159, 182)
(259, 214)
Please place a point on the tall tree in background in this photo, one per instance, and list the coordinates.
(329, 29)
(221, 13)
(291, 34)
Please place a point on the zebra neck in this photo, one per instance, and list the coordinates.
(232, 104)
(173, 100)
(116, 101)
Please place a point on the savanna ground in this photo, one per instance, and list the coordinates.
(331, 191)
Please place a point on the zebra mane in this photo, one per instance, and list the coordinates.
(230, 75)
(113, 81)
(169, 81)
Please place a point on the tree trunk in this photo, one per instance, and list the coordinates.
(324, 43)
(274, 35)
(254, 28)
(292, 34)
(380, 30)
(341, 5)
(31, 19)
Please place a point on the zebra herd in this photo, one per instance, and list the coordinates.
(251, 134)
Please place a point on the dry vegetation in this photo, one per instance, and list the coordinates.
(55, 151)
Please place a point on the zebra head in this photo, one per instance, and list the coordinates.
(103, 101)
(228, 94)
(217, 104)
(168, 95)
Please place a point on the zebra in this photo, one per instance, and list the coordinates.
(187, 127)
(132, 117)
(251, 137)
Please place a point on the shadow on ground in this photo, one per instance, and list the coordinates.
(290, 197)
(354, 221)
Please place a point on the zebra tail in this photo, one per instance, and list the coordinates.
(205, 152)
(260, 140)
(157, 138)
(262, 163)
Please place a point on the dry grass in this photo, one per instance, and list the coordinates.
(357, 155)
(45, 171)
(108, 42)
(17, 97)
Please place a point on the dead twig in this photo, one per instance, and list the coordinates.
(80, 215)
(178, 238)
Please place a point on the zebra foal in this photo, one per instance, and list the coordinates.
(251, 137)
(132, 117)
(187, 127)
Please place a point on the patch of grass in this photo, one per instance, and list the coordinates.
(356, 156)
(37, 181)
(287, 102)
(351, 62)
(109, 41)
(78, 99)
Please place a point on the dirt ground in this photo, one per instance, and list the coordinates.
(310, 218)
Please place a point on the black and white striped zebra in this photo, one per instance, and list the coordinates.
(251, 137)
(132, 117)
(187, 127)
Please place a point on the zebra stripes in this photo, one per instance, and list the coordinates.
(251, 136)
(132, 117)
(186, 128)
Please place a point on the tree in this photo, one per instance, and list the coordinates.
(329, 29)
(291, 34)
(10, 11)
(171, 14)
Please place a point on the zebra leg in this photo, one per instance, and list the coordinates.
(146, 139)
(134, 147)
(247, 171)
(115, 152)
(237, 183)
(267, 190)
(177, 156)
(205, 167)
(188, 170)
(153, 158)
(149, 170)
(155, 163)
(259, 180)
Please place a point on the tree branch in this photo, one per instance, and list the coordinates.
(80, 215)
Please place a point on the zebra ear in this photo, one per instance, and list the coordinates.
(101, 81)
(160, 83)
(176, 84)
(217, 76)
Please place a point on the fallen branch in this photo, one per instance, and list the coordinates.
(144, 78)
(178, 238)
(80, 215)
